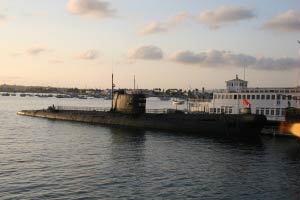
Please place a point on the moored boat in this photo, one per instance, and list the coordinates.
(177, 102)
(130, 110)
(271, 102)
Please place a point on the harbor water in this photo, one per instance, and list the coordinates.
(48, 159)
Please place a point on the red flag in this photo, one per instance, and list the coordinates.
(246, 102)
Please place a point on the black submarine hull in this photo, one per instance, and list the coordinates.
(239, 125)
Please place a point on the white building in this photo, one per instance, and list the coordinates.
(270, 102)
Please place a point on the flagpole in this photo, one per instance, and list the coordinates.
(112, 91)
(134, 83)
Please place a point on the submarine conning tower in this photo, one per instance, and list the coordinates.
(134, 103)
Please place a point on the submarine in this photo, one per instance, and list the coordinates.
(129, 110)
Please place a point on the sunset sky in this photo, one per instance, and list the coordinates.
(164, 43)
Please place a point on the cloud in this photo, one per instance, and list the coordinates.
(216, 58)
(225, 15)
(89, 55)
(285, 22)
(146, 53)
(90, 8)
(153, 27)
(186, 57)
(3, 19)
(37, 50)
(156, 27)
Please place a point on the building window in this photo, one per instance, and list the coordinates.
(234, 96)
(230, 110)
(272, 112)
(211, 110)
(215, 110)
(218, 110)
(262, 96)
(230, 96)
(267, 111)
(283, 97)
(283, 112)
(277, 111)
(289, 97)
(239, 96)
(268, 97)
(244, 96)
(278, 96)
(253, 96)
(257, 111)
(226, 110)
(248, 96)
(273, 97)
(262, 111)
(258, 96)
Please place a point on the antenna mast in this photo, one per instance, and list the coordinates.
(244, 72)
(112, 91)
(134, 82)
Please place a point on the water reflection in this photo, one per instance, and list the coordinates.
(127, 162)
(131, 136)
(127, 145)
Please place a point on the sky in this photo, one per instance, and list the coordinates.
(165, 44)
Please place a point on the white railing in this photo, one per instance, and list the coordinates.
(157, 111)
(102, 109)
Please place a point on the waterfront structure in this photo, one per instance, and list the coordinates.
(271, 102)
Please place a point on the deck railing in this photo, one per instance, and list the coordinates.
(104, 109)
(157, 111)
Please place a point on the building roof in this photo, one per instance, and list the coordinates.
(237, 79)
